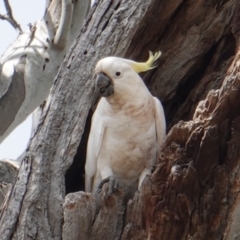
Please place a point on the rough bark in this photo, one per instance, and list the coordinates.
(193, 192)
(39, 191)
(8, 173)
(43, 49)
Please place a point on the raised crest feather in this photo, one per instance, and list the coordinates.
(148, 65)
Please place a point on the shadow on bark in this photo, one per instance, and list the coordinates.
(193, 191)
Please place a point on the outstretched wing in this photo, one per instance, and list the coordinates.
(94, 146)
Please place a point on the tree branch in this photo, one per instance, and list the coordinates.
(9, 17)
(39, 38)
(61, 37)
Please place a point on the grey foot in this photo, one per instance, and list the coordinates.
(112, 186)
(100, 199)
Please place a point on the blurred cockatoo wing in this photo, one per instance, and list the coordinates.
(160, 123)
(94, 145)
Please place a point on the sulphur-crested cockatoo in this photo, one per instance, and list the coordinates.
(128, 125)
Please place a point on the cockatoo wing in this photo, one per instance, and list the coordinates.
(159, 122)
(160, 125)
(93, 148)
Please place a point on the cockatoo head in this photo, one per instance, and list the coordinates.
(120, 73)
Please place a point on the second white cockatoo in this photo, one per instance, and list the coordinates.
(128, 126)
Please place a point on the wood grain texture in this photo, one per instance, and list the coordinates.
(38, 194)
(14, 97)
(193, 192)
(187, 196)
(21, 92)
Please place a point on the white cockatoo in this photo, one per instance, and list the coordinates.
(128, 125)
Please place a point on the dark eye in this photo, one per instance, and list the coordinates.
(118, 74)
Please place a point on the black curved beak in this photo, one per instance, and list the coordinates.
(104, 85)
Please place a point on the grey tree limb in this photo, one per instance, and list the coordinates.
(44, 56)
(46, 161)
(9, 17)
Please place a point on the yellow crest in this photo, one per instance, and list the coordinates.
(148, 65)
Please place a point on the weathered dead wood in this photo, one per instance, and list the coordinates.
(193, 192)
(43, 48)
(8, 174)
(38, 193)
(99, 217)
(197, 45)
(193, 200)
(8, 171)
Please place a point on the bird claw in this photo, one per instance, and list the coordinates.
(112, 186)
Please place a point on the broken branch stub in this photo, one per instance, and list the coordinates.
(9, 17)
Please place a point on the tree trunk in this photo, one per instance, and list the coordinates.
(28, 67)
(8, 173)
(193, 190)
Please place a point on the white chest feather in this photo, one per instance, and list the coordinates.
(129, 141)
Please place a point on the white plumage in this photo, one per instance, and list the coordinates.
(128, 126)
